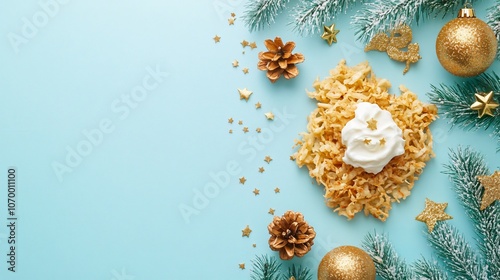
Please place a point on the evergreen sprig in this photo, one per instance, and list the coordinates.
(268, 268)
(261, 13)
(298, 273)
(454, 102)
(494, 22)
(429, 270)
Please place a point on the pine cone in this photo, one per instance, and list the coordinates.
(290, 235)
(279, 60)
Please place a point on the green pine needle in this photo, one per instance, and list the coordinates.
(429, 270)
(494, 22)
(261, 13)
(298, 273)
(265, 268)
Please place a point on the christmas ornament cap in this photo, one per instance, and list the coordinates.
(466, 12)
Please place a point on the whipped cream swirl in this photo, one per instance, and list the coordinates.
(372, 138)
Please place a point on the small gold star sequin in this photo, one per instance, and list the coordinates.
(276, 190)
(372, 124)
(256, 191)
(236, 63)
(367, 141)
(261, 169)
(230, 120)
(230, 131)
(258, 105)
(240, 122)
(382, 142)
(433, 213)
(258, 129)
(245, 70)
(231, 20)
(252, 45)
(244, 43)
(246, 231)
(330, 34)
(491, 186)
(242, 265)
(269, 115)
(254, 245)
(216, 39)
(243, 180)
(244, 93)
(484, 104)
(233, 15)
(268, 159)
(271, 211)
(245, 129)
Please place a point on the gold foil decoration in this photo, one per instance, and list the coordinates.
(491, 186)
(330, 34)
(484, 104)
(433, 213)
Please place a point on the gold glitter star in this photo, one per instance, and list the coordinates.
(233, 15)
(245, 70)
(367, 141)
(240, 122)
(258, 129)
(382, 142)
(230, 131)
(330, 34)
(236, 63)
(256, 191)
(276, 190)
(231, 20)
(245, 129)
(246, 231)
(258, 105)
(243, 180)
(268, 159)
(491, 186)
(244, 93)
(271, 211)
(216, 39)
(254, 245)
(261, 169)
(230, 120)
(433, 213)
(269, 115)
(372, 124)
(252, 45)
(244, 43)
(484, 104)
(242, 265)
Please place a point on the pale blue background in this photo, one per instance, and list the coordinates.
(116, 215)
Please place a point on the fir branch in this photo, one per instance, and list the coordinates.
(309, 16)
(298, 273)
(387, 262)
(494, 22)
(429, 270)
(265, 268)
(465, 166)
(259, 13)
(456, 253)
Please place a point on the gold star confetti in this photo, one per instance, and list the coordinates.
(245, 129)
(276, 190)
(243, 180)
(372, 124)
(271, 211)
(367, 141)
(491, 186)
(256, 191)
(230, 120)
(244, 43)
(268, 159)
(236, 63)
(233, 15)
(242, 265)
(240, 122)
(484, 104)
(254, 245)
(245, 70)
(261, 169)
(433, 213)
(258, 129)
(231, 20)
(269, 115)
(246, 231)
(230, 131)
(258, 105)
(252, 45)
(330, 34)
(382, 142)
(244, 93)
(216, 39)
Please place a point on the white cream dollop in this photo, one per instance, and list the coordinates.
(372, 138)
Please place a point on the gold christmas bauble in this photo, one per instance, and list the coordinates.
(466, 46)
(346, 263)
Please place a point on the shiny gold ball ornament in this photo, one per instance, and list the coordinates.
(466, 46)
(346, 263)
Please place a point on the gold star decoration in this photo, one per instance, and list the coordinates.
(256, 191)
(245, 70)
(245, 129)
(243, 180)
(258, 105)
(372, 124)
(236, 63)
(254, 245)
(433, 213)
(276, 190)
(271, 211)
(244, 93)
(242, 265)
(216, 39)
(258, 129)
(491, 186)
(244, 43)
(240, 122)
(268, 159)
(261, 169)
(231, 20)
(269, 115)
(246, 232)
(252, 45)
(233, 15)
(230, 120)
(330, 34)
(382, 142)
(484, 104)
(367, 141)
(230, 131)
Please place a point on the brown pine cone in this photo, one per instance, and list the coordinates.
(279, 60)
(290, 235)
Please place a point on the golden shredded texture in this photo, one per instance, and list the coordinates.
(348, 189)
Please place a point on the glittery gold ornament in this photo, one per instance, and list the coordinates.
(491, 186)
(433, 213)
(330, 34)
(466, 46)
(346, 263)
(484, 104)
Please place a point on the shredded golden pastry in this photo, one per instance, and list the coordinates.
(348, 189)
